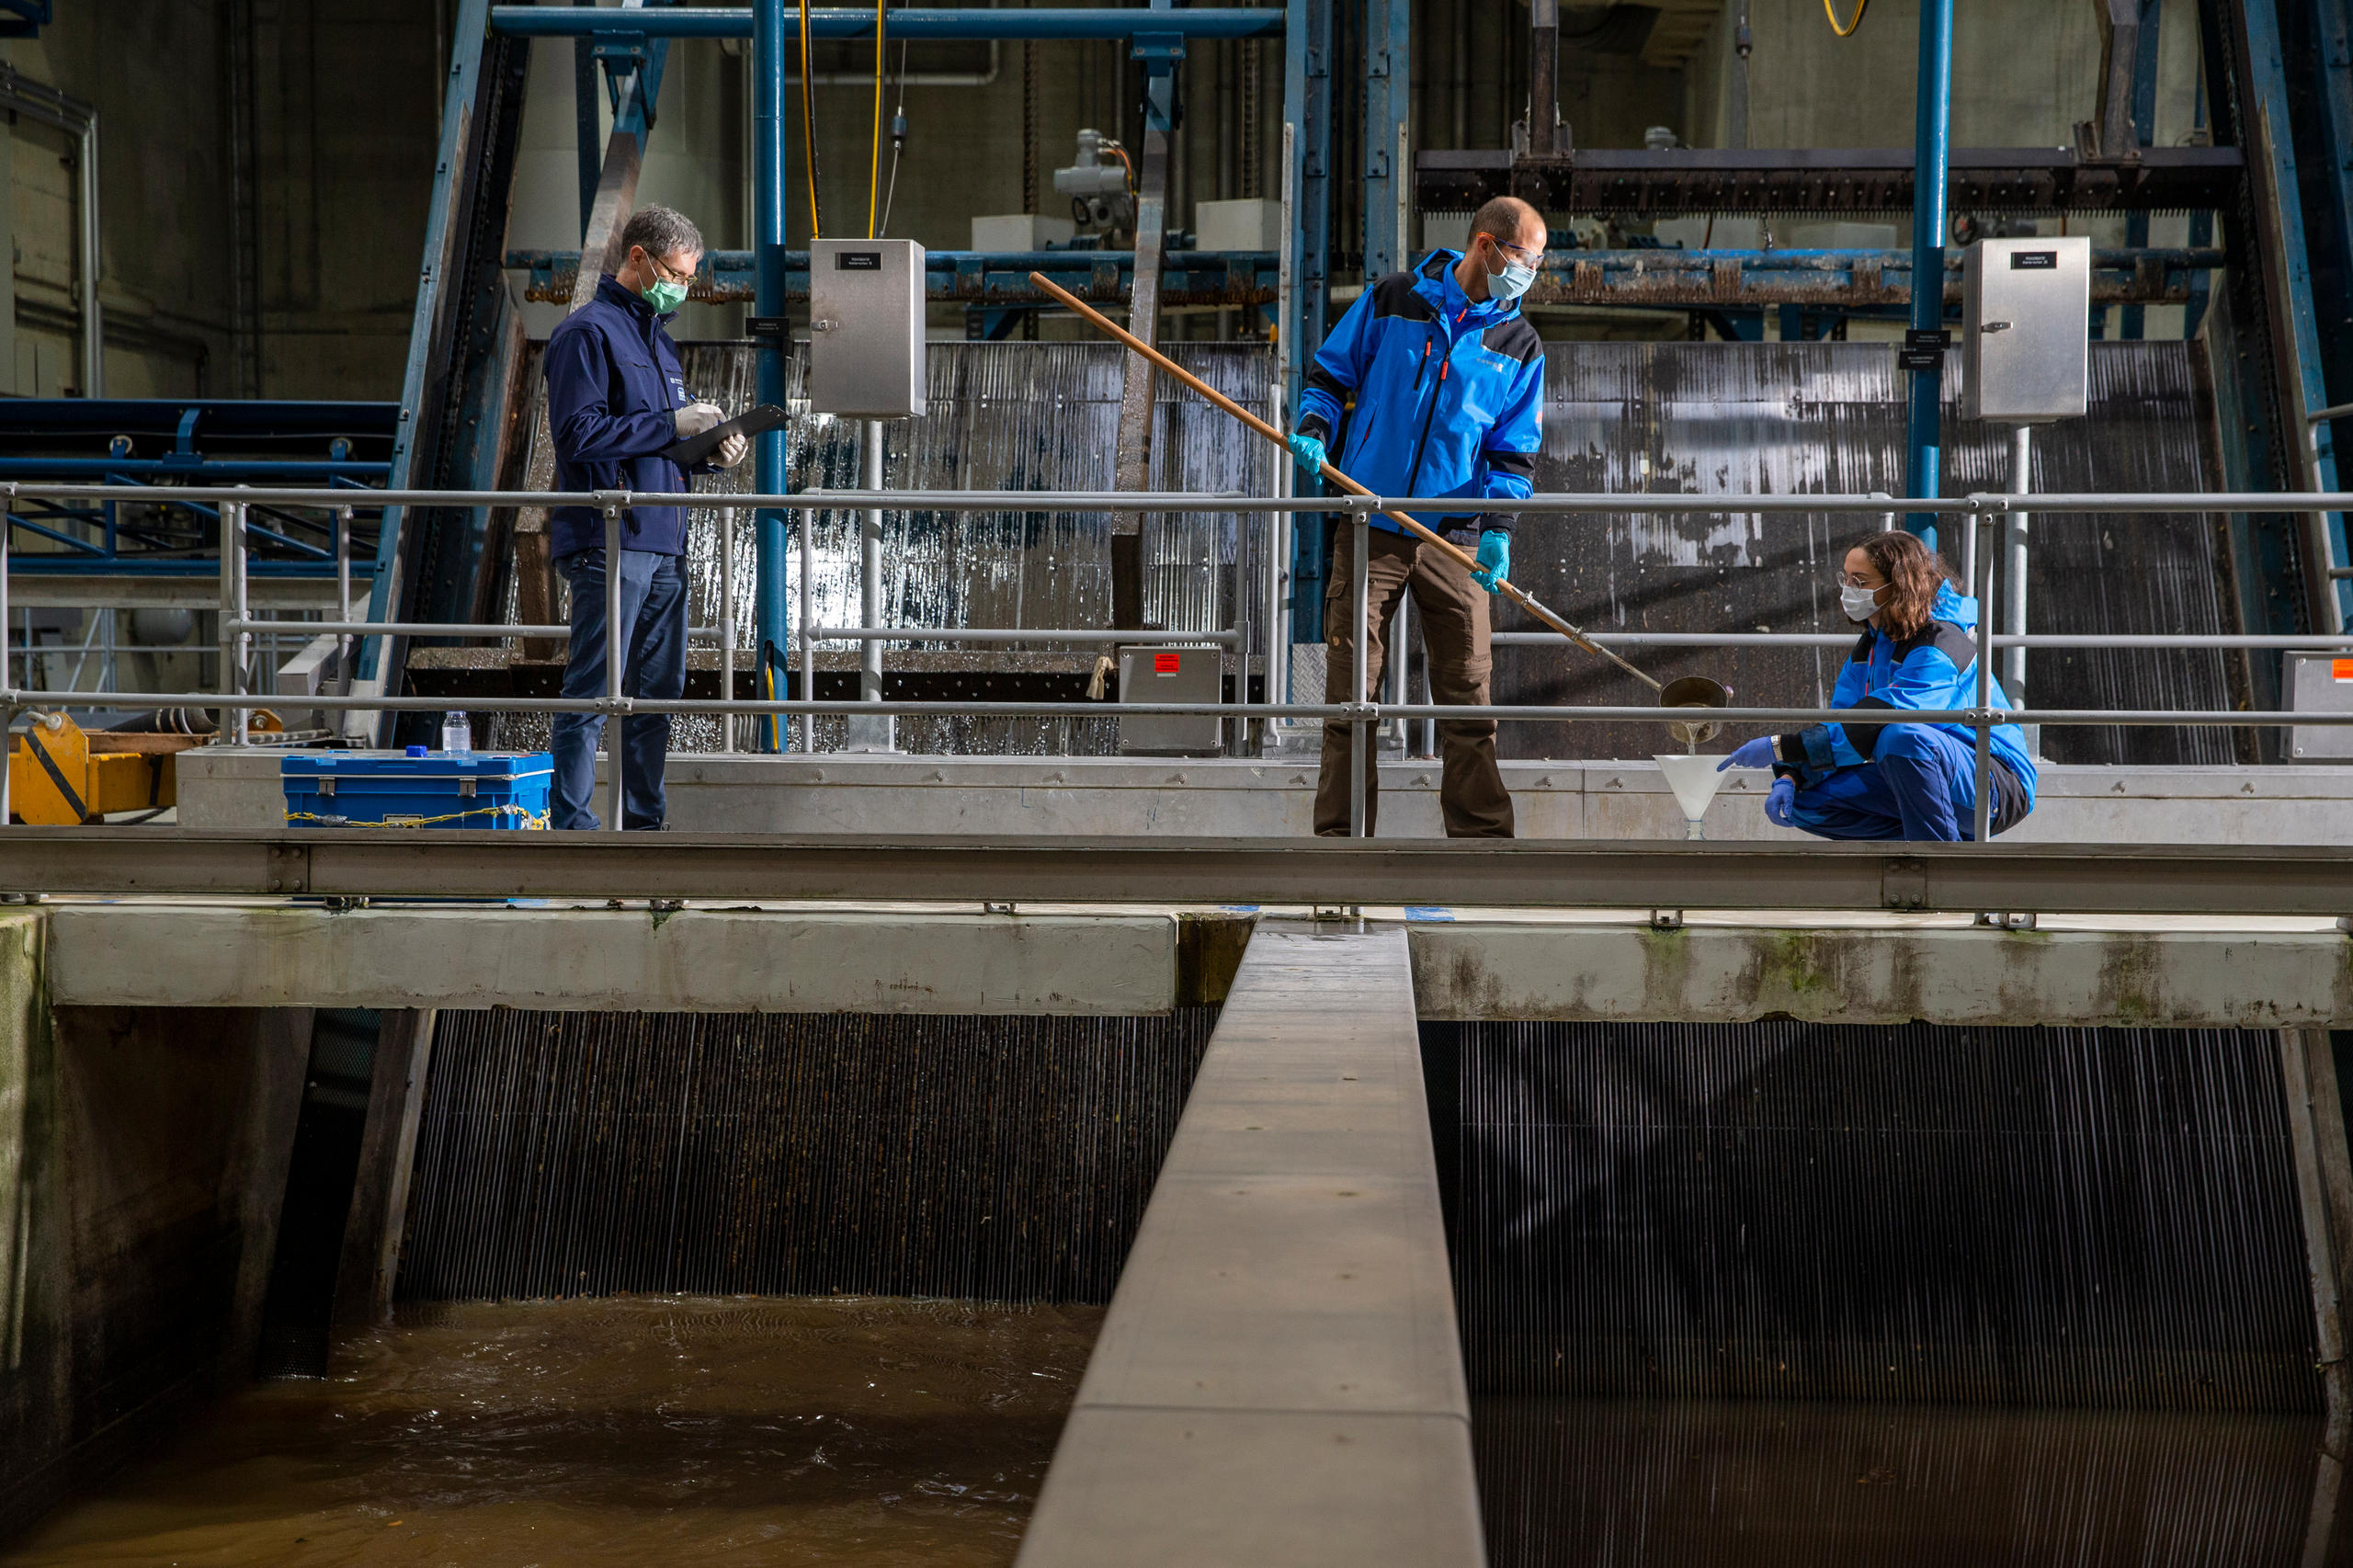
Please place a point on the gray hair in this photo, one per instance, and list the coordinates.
(663, 231)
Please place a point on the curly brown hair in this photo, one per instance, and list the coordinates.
(1914, 573)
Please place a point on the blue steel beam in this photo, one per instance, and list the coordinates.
(1638, 278)
(441, 224)
(2144, 130)
(1931, 138)
(583, 107)
(771, 624)
(2331, 128)
(918, 25)
(1388, 105)
(1307, 114)
(2326, 542)
(968, 278)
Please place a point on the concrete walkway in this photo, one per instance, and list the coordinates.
(1279, 1380)
(224, 787)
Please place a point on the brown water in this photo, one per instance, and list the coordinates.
(1667, 1483)
(629, 1432)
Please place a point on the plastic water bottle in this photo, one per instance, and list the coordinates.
(457, 735)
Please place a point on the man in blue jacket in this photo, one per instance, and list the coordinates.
(1901, 778)
(617, 399)
(1438, 382)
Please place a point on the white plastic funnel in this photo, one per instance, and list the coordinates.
(1694, 781)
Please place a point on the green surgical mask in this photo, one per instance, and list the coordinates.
(664, 295)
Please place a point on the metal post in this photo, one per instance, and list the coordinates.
(875, 734)
(343, 594)
(2317, 1138)
(1931, 134)
(233, 612)
(615, 645)
(769, 54)
(1544, 75)
(727, 624)
(93, 330)
(1277, 619)
(1984, 825)
(808, 625)
(1393, 672)
(1359, 732)
(2014, 529)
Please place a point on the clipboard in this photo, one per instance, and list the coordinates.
(757, 420)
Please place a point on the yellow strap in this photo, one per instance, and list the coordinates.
(530, 820)
(1846, 30)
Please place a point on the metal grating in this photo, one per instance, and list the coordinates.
(1776, 418)
(1798, 418)
(991, 1158)
(1787, 1210)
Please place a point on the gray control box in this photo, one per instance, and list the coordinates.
(2319, 683)
(866, 312)
(2026, 313)
(1172, 675)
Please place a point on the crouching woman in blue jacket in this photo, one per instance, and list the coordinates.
(1898, 779)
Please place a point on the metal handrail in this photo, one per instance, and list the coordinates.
(2144, 639)
(1361, 714)
(1369, 712)
(1012, 634)
(1976, 504)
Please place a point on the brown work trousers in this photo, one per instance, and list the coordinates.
(1453, 609)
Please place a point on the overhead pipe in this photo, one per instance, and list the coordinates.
(1931, 143)
(38, 101)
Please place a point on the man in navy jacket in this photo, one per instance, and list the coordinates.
(617, 398)
(1438, 382)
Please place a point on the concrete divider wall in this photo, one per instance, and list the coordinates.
(142, 1162)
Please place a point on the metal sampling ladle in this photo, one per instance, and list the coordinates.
(1685, 691)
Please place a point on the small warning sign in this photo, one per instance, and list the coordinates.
(2340, 669)
(1165, 664)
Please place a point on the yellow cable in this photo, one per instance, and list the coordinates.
(874, 170)
(1848, 30)
(530, 820)
(808, 124)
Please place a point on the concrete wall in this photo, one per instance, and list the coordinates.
(343, 123)
(145, 1169)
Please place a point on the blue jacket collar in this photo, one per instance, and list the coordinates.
(1960, 609)
(1952, 609)
(609, 289)
(1434, 282)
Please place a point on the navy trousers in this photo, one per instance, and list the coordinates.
(1921, 783)
(653, 663)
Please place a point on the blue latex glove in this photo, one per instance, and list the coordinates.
(1494, 560)
(1780, 803)
(1758, 753)
(1308, 451)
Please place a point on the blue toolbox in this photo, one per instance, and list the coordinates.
(344, 789)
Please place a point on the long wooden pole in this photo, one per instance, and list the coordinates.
(1527, 600)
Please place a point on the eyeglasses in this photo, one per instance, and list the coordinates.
(665, 273)
(1532, 257)
(1849, 580)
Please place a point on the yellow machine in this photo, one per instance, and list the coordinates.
(61, 776)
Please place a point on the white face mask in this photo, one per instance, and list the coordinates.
(1860, 604)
